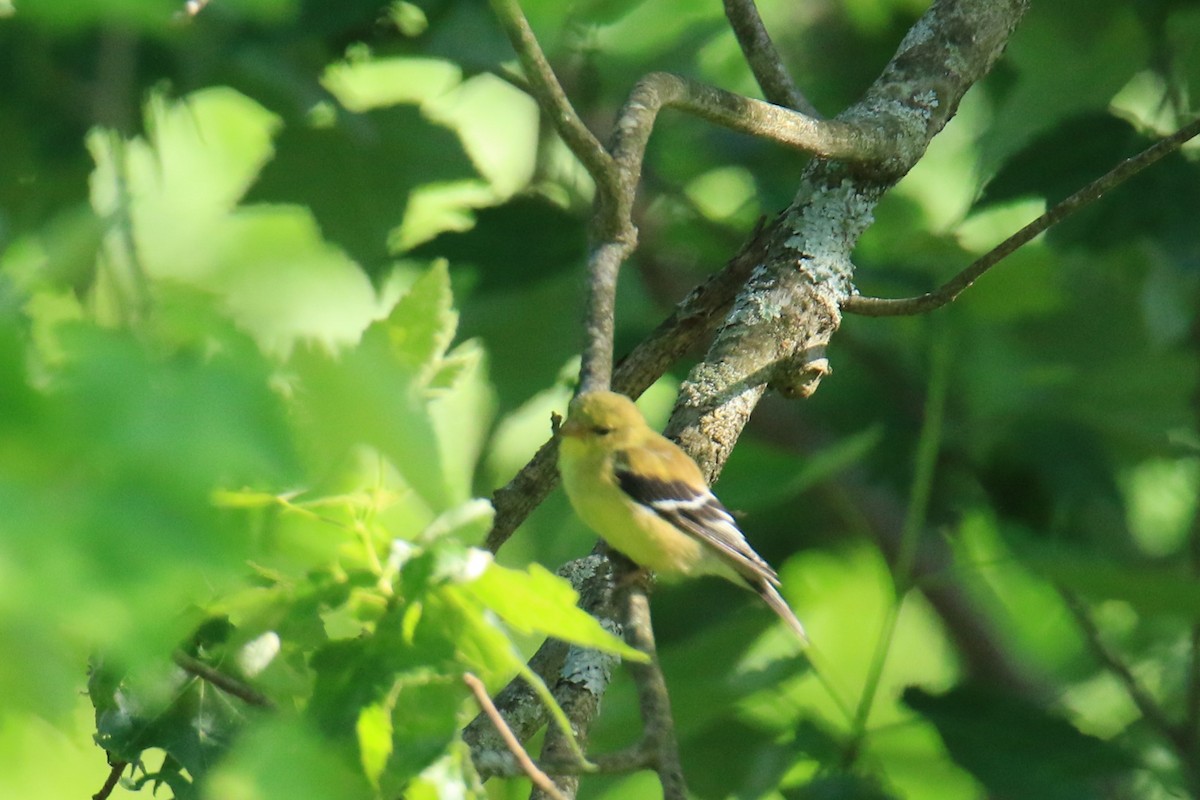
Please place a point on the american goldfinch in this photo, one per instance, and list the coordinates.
(649, 500)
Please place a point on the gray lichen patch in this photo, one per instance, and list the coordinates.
(823, 230)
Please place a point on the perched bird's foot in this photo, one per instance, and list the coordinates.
(637, 577)
(626, 573)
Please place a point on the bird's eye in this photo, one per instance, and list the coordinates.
(600, 430)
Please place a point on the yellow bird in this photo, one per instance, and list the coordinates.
(649, 500)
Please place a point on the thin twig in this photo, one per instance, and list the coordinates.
(1191, 703)
(225, 683)
(772, 76)
(653, 700)
(110, 783)
(1149, 709)
(131, 287)
(929, 443)
(518, 704)
(1177, 738)
(881, 307)
(915, 518)
(879, 655)
(622, 762)
(552, 99)
(604, 265)
(834, 139)
(539, 778)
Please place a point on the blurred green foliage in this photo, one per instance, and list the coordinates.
(288, 286)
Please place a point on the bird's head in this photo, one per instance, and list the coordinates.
(604, 417)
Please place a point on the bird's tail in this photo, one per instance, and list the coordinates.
(775, 600)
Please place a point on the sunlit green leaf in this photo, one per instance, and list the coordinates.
(538, 600)
(282, 759)
(374, 731)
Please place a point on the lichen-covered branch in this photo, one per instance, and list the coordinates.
(781, 322)
(577, 677)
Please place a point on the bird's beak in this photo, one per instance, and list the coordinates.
(572, 427)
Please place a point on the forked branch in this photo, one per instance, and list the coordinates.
(764, 60)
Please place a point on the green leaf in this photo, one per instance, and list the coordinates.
(1016, 748)
(536, 600)
(138, 440)
(396, 698)
(467, 524)
(461, 406)
(174, 197)
(421, 325)
(201, 155)
(453, 775)
(424, 727)
(362, 85)
(374, 732)
(357, 673)
(484, 648)
(165, 708)
(1048, 54)
(399, 392)
(736, 753)
(1157, 205)
(840, 787)
(282, 759)
(498, 243)
(380, 159)
(744, 481)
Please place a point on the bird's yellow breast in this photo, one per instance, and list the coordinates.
(634, 530)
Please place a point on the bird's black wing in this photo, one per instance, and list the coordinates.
(695, 510)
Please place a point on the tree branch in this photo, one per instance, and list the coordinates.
(859, 142)
(778, 328)
(772, 76)
(577, 676)
(226, 683)
(110, 783)
(1111, 661)
(551, 98)
(585, 673)
(659, 735)
(949, 291)
(539, 778)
